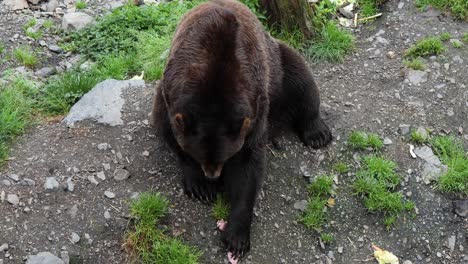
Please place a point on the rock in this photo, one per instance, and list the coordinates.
(34, 2)
(107, 215)
(450, 243)
(387, 141)
(101, 175)
(305, 170)
(75, 238)
(109, 194)
(14, 177)
(44, 258)
(4, 247)
(300, 205)
(50, 5)
(88, 239)
(460, 207)
(13, 199)
(76, 21)
(87, 65)
(93, 180)
(457, 59)
(340, 250)
(145, 153)
(416, 77)
(104, 146)
(103, 103)
(106, 166)
(401, 5)
(391, 55)
(382, 40)
(51, 184)
(2, 196)
(407, 262)
(6, 182)
(73, 211)
(45, 72)
(347, 11)
(27, 182)
(121, 174)
(404, 129)
(70, 185)
(432, 167)
(55, 48)
(65, 257)
(16, 4)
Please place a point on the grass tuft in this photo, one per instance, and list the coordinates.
(2, 47)
(321, 187)
(374, 141)
(327, 238)
(415, 64)
(375, 181)
(221, 208)
(451, 153)
(80, 5)
(357, 140)
(49, 23)
(465, 37)
(445, 36)
(148, 243)
(425, 47)
(459, 8)
(332, 44)
(457, 43)
(26, 56)
(320, 190)
(341, 167)
(418, 138)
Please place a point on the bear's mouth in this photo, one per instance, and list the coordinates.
(212, 171)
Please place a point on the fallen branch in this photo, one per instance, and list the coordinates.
(369, 18)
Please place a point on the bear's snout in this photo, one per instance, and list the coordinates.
(212, 171)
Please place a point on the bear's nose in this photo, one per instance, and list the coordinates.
(212, 171)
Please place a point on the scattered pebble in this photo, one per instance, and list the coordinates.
(51, 184)
(109, 194)
(103, 146)
(145, 153)
(101, 175)
(70, 185)
(13, 199)
(340, 250)
(14, 177)
(451, 243)
(305, 170)
(121, 174)
(4, 247)
(460, 207)
(107, 215)
(404, 129)
(75, 238)
(387, 141)
(300, 205)
(93, 180)
(73, 211)
(44, 258)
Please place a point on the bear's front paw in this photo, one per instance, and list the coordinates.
(237, 240)
(200, 189)
(316, 134)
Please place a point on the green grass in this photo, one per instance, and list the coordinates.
(465, 37)
(374, 141)
(459, 8)
(152, 54)
(31, 23)
(49, 23)
(457, 44)
(148, 243)
(341, 167)
(425, 47)
(368, 7)
(445, 36)
(359, 140)
(319, 191)
(418, 137)
(332, 44)
(415, 64)
(26, 56)
(2, 47)
(327, 238)
(451, 153)
(220, 208)
(376, 182)
(80, 5)
(17, 106)
(34, 34)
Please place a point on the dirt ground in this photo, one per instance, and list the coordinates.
(369, 92)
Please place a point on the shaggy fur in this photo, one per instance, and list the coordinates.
(225, 82)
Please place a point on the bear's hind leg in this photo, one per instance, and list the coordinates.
(303, 98)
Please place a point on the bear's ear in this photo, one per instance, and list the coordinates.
(245, 126)
(179, 122)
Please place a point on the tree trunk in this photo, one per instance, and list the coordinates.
(289, 15)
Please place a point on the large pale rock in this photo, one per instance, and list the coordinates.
(44, 258)
(16, 4)
(76, 21)
(103, 103)
(432, 167)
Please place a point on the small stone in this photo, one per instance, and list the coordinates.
(145, 153)
(88, 239)
(300, 205)
(107, 215)
(44, 258)
(4, 247)
(73, 211)
(109, 194)
(76, 21)
(305, 170)
(106, 166)
(387, 141)
(101, 175)
(45, 72)
(75, 238)
(6, 182)
(51, 184)
(404, 129)
(407, 262)
(65, 257)
(340, 250)
(423, 132)
(451, 243)
(55, 48)
(439, 255)
(14, 177)
(401, 5)
(457, 59)
(416, 77)
(121, 174)
(391, 54)
(27, 182)
(2, 196)
(93, 180)
(460, 207)
(13, 199)
(103, 146)
(382, 40)
(70, 185)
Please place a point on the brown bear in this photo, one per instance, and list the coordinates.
(226, 80)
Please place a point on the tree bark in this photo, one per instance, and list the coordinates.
(289, 15)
